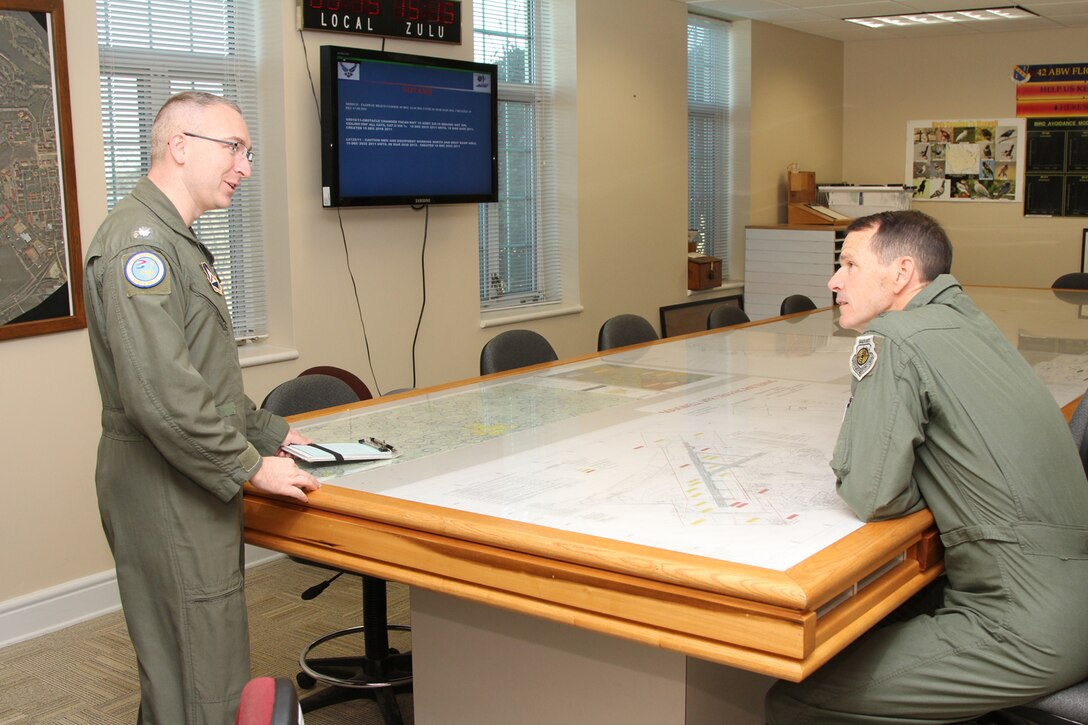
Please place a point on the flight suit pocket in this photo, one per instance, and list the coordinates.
(219, 632)
(229, 412)
(840, 458)
(213, 305)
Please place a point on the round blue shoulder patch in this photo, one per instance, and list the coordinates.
(145, 270)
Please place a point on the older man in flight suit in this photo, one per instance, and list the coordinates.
(179, 434)
(945, 413)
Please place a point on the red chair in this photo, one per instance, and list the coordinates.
(268, 701)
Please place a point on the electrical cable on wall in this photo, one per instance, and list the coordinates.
(423, 284)
(344, 239)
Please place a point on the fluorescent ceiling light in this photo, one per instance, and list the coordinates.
(1010, 12)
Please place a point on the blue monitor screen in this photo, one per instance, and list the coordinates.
(403, 129)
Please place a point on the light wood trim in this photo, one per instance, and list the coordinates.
(852, 618)
(808, 585)
(773, 640)
(835, 569)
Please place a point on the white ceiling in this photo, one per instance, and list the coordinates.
(825, 17)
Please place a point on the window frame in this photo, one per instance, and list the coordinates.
(221, 58)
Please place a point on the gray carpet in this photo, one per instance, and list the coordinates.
(86, 674)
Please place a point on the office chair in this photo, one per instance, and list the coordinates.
(1065, 707)
(268, 701)
(380, 672)
(307, 393)
(515, 349)
(1072, 280)
(347, 376)
(726, 315)
(624, 330)
(796, 303)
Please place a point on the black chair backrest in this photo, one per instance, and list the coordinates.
(347, 376)
(725, 315)
(1072, 280)
(515, 349)
(624, 330)
(308, 393)
(796, 303)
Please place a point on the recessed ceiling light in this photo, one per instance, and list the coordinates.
(912, 20)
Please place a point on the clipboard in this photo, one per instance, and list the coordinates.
(365, 449)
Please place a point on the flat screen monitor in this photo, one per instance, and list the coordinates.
(399, 129)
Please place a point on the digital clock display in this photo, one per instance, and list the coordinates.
(435, 20)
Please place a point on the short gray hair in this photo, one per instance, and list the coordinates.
(176, 109)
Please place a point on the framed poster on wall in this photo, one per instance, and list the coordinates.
(966, 160)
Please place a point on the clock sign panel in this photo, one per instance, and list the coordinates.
(435, 20)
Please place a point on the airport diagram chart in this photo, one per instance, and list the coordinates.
(732, 467)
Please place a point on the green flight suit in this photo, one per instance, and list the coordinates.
(950, 416)
(179, 438)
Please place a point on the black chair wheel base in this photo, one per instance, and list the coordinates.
(361, 672)
(379, 674)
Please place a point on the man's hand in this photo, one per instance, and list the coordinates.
(282, 476)
(293, 436)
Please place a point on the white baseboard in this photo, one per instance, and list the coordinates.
(72, 602)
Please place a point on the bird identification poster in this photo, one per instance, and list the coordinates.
(966, 160)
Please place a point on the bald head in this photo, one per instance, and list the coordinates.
(200, 152)
(181, 113)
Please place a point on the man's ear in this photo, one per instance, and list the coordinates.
(176, 148)
(905, 274)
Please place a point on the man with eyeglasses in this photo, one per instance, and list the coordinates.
(179, 434)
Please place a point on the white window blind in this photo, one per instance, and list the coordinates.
(149, 50)
(519, 245)
(709, 104)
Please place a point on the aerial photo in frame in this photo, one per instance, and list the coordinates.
(39, 244)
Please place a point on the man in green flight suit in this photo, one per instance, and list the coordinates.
(179, 434)
(945, 413)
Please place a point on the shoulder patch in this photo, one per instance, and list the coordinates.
(145, 270)
(863, 359)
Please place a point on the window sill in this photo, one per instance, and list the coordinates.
(259, 353)
(730, 285)
(510, 317)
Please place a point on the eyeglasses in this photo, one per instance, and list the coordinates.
(236, 147)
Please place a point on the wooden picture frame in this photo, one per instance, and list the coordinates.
(41, 260)
(1084, 251)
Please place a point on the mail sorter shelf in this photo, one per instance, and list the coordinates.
(784, 260)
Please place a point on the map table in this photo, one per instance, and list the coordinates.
(675, 494)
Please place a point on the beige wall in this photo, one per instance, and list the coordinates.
(796, 115)
(49, 527)
(891, 82)
(625, 207)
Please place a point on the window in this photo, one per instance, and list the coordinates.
(519, 247)
(151, 49)
(708, 136)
